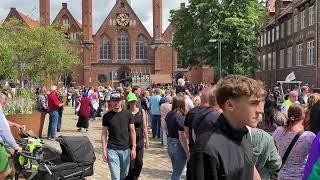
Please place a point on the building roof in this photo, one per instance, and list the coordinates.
(60, 14)
(126, 3)
(26, 19)
(284, 12)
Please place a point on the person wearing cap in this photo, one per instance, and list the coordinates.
(140, 124)
(53, 108)
(137, 91)
(292, 98)
(118, 126)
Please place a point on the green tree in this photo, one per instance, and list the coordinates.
(35, 54)
(235, 22)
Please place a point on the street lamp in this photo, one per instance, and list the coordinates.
(219, 53)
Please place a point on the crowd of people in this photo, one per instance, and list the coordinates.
(235, 129)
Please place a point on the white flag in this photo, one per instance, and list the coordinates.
(291, 77)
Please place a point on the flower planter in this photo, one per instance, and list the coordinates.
(34, 122)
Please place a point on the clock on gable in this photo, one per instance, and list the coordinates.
(123, 19)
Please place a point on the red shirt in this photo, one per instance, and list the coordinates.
(53, 101)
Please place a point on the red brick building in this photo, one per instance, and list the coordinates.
(122, 47)
(289, 42)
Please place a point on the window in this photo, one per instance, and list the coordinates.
(269, 61)
(311, 15)
(123, 46)
(281, 59)
(264, 62)
(289, 57)
(303, 17)
(141, 48)
(295, 23)
(269, 37)
(274, 60)
(289, 27)
(261, 40)
(65, 22)
(272, 38)
(282, 31)
(299, 55)
(73, 36)
(277, 33)
(265, 39)
(310, 53)
(105, 49)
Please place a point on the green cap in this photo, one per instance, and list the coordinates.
(131, 97)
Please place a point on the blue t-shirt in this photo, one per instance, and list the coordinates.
(155, 104)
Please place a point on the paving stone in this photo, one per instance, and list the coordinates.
(156, 164)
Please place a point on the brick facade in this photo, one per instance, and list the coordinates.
(159, 57)
(294, 39)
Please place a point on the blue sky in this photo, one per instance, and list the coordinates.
(101, 9)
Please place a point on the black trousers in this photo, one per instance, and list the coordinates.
(60, 111)
(136, 165)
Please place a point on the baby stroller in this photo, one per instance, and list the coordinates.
(38, 161)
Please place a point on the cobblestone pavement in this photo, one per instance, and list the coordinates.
(157, 165)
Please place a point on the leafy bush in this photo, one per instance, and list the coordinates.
(22, 102)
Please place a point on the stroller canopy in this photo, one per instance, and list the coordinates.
(77, 149)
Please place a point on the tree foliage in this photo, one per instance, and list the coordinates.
(235, 22)
(34, 54)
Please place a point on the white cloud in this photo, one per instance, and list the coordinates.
(101, 8)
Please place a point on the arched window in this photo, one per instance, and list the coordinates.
(141, 48)
(123, 46)
(105, 48)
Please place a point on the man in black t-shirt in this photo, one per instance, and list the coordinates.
(118, 125)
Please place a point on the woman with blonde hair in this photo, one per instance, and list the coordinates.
(178, 149)
(293, 144)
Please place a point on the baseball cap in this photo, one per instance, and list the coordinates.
(131, 97)
(115, 96)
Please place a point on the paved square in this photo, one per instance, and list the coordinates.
(157, 165)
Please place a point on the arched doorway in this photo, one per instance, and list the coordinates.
(124, 75)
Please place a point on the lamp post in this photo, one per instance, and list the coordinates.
(219, 53)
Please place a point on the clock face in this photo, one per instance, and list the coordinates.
(123, 20)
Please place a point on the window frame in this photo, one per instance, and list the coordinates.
(123, 45)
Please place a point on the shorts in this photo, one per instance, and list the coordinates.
(4, 162)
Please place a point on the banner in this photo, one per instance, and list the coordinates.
(291, 76)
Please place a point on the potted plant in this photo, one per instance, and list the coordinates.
(21, 109)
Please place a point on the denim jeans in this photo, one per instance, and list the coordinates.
(53, 123)
(156, 126)
(93, 113)
(119, 162)
(177, 156)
